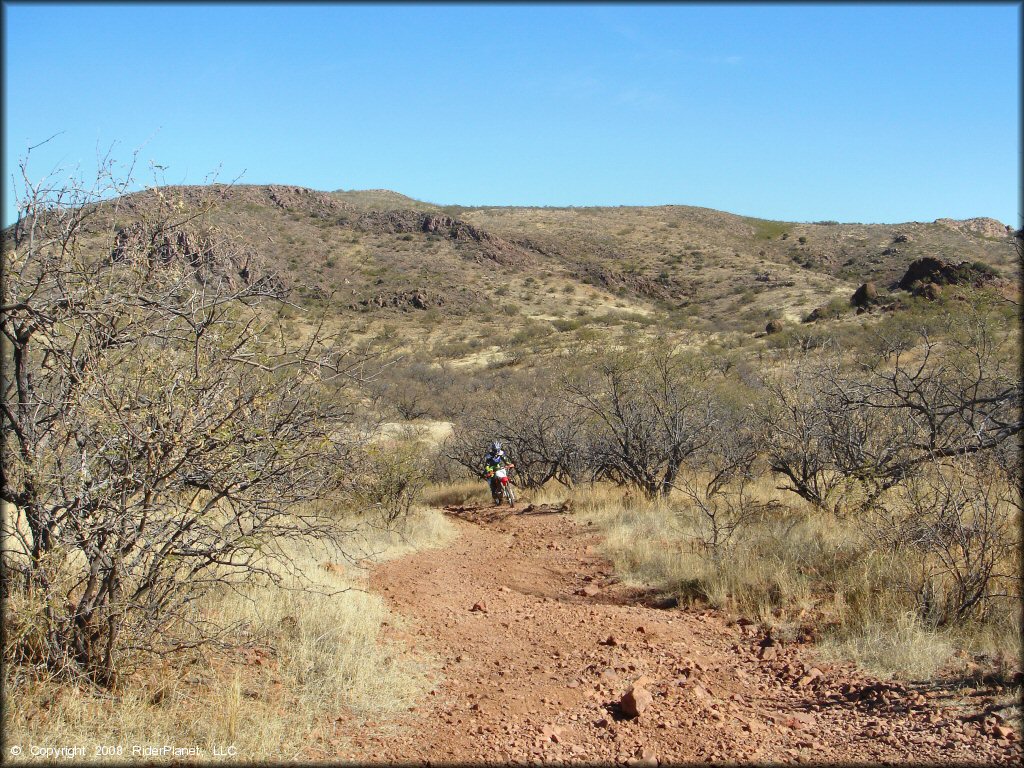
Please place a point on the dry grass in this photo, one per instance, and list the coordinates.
(454, 494)
(794, 569)
(304, 655)
(900, 645)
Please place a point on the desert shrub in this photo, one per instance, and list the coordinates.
(563, 325)
(647, 411)
(719, 483)
(539, 430)
(158, 431)
(390, 479)
(852, 430)
(954, 520)
(532, 331)
(415, 389)
(984, 268)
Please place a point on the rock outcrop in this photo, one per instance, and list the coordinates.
(406, 300)
(939, 272)
(492, 247)
(865, 296)
(199, 252)
(983, 226)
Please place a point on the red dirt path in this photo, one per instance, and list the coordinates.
(536, 672)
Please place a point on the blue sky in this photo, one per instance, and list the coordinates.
(872, 113)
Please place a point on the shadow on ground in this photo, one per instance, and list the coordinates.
(486, 514)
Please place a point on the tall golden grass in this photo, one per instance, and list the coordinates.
(301, 655)
(798, 568)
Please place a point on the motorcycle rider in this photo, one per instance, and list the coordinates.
(494, 460)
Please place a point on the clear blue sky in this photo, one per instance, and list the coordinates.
(873, 113)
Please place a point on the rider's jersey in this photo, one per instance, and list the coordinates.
(494, 462)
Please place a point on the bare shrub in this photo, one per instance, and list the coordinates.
(647, 412)
(956, 518)
(793, 424)
(390, 480)
(416, 389)
(158, 431)
(538, 428)
(720, 483)
(841, 433)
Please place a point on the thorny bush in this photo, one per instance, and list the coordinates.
(159, 434)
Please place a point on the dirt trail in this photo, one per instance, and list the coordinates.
(539, 643)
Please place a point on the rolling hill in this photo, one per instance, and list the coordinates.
(469, 282)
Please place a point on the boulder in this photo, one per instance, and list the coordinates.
(774, 326)
(555, 733)
(635, 701)
(931, 270)
(404, 300)
(927, 269)
(865, 296)
(815, 315)
(767, 650)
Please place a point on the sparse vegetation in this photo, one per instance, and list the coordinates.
(857, 475)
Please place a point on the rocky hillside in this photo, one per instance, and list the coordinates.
(461, 274)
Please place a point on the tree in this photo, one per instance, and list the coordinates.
(649, 411)
(843, 433)
(540, 430)
(161, 436)
(792, 420)
(719, 482)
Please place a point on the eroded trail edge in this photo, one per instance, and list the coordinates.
(539, 643)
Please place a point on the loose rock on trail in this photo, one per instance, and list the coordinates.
(547, 657)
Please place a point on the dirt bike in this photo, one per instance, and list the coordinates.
(501, 486)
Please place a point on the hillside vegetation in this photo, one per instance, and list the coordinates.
(453, 277)
(218, 392)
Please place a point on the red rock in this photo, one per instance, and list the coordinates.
(480, 607)
(553, 733)
(635, 701)
(645, 756)
(1003, 732)
(800, 721)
